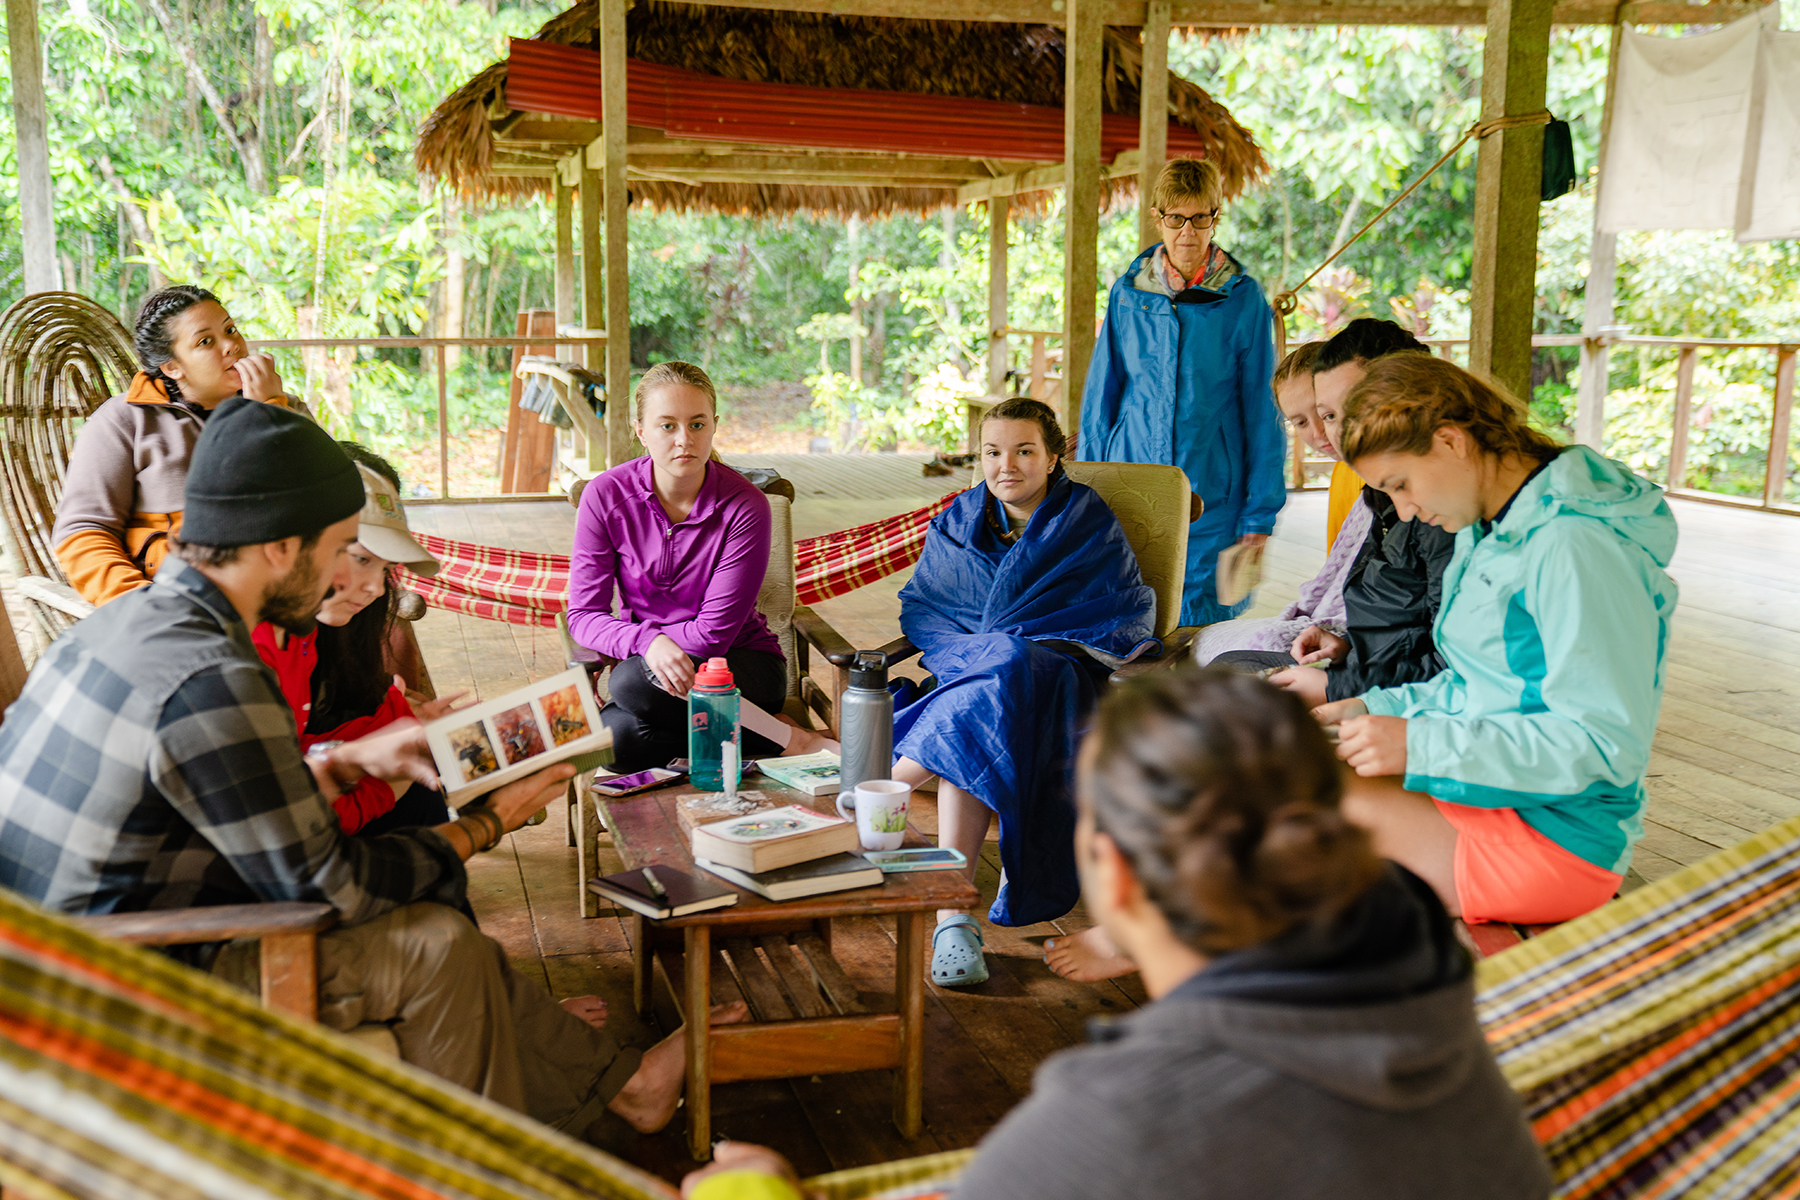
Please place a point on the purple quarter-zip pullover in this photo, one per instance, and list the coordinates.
(695, 581)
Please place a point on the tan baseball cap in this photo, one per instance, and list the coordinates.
(382, 526)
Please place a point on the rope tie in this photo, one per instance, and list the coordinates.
(1287, 301)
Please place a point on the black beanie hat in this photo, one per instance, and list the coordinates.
(260, 473)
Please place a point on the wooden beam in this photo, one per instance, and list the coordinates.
(618, 291)
(1153, 117)
(999, 214)
(31, 124)
(1508, 179)
(1037, 179)
(593, 265)
(1245, 13)
(1597, 295)
(557, 130)
(1775, 479)
(1084, 61)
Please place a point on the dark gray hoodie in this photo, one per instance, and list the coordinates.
(1344, 1064)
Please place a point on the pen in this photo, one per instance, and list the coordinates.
(656, 887)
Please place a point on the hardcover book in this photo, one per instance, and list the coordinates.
(838, 873)
(682, 893)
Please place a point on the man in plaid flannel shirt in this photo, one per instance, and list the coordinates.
(152, 763)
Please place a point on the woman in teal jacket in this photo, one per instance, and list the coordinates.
(1181, 375)
(1513, 781)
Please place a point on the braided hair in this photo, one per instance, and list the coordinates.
(1223, 794)
(152, 338)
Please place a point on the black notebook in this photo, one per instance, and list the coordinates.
(685, 893)
(835, 873)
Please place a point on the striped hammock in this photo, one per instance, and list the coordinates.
(1657, 1040)
(1656, 1043)
(521, 587)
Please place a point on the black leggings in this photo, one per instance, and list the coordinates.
(649, 726)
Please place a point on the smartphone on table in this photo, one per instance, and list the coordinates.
(616, 786)
(917, 858)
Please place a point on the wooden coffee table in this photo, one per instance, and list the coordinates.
(807, 1019)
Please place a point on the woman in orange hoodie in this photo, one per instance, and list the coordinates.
(122, 496)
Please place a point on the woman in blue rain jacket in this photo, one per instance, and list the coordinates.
(1181, 375)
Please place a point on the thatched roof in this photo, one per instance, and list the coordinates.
(994, 61)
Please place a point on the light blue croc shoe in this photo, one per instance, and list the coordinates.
(956, 958)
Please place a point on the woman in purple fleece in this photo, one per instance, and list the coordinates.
(683, 540)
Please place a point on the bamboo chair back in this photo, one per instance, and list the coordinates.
(61, 356)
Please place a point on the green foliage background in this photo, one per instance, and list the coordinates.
(321, 101)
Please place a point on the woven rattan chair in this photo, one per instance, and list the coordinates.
(61, 356)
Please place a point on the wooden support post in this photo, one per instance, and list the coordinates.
(909, 997)
(1775, 479)
(697, 1003)
(31, 123)
(1085, 37)
(999, 218)
(618, 290)
(1603, 266)
(1153, 117)
(1684, 417)
(1508, 179)
(565, 251)
(593, 265)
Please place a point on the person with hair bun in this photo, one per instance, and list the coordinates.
(1312, 1027)
(1513, 780)
(682, 540)
(1026, 596)
(122, 496)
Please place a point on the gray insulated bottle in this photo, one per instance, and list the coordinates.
(866, 716)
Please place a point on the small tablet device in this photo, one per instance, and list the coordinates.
(644, 781)
(917, 858)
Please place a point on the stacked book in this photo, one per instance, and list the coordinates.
(781, 851)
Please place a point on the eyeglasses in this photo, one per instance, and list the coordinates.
(1205, 220)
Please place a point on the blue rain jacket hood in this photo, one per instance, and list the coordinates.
(1188, 385)
(1555, 626)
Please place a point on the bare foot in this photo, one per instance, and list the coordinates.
(1087, 957)
(650, 1097)
(591, 1009)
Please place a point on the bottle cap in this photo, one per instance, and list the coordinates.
(869, 670)
(716, 673)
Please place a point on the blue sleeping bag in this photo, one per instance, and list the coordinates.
(1019, 640)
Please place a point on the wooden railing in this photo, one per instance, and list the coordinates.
(588, 337)
(1775, 469)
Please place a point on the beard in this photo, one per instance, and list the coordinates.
(293, 601)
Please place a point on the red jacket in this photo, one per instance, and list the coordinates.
(293, 666)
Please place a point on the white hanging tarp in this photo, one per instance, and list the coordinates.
(1769, 193)
(1675, 152)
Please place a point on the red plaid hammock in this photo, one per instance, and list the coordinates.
(521, 587)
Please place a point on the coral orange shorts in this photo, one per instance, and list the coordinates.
(1508, 871)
